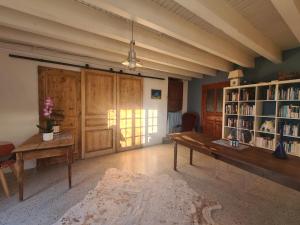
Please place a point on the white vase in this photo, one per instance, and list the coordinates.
(47, 136)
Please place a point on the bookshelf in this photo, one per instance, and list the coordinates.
(253, 114)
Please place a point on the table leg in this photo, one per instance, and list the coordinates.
(20, 177)
(4, 183)
(175, 156)
(191, 156)
(69, 161)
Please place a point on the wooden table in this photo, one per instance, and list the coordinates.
(257, 160)
(36, 148)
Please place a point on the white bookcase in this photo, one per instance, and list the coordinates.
(247, 107)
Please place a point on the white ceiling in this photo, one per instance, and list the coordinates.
(183, 37)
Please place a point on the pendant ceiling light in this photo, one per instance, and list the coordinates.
(132, 62)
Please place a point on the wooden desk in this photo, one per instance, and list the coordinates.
(36, 148)
(257, 160)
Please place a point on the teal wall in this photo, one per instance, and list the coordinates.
(264, 71)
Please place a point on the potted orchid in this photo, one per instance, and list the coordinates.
(47, 130)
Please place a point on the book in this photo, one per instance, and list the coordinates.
(291, 93)
(264, 142)
(292, 147)
(231, 108)
(290, 111)
(247, 109)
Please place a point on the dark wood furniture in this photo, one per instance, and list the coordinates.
(211, 108)
(256, 160)
(175, 95)
(36, 148)
(189, 120)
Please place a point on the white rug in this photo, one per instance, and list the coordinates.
(124, 198)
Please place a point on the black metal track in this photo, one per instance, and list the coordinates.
(86, 66)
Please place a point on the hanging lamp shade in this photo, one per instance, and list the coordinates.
(132, 62)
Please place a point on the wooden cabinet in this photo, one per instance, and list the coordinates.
(63, 86)
(212, 106)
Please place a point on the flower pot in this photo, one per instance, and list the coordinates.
(56, 129)
(47, 136)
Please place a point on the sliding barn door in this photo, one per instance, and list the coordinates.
(63, 86)
(130, 116)
(98, 112)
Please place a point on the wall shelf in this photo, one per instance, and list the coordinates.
(267, 103)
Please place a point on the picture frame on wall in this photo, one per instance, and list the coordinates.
(155, 94)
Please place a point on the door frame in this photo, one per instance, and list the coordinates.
(204, 88)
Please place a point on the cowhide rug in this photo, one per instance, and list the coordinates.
(124, 198)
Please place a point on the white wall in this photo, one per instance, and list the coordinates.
(19, 99)
(160, 105)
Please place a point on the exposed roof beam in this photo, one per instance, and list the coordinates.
(290, 12)
(25, 22)
(222, 16)
(155, 17)
(27, 50)
(94, 21)
(41, 41)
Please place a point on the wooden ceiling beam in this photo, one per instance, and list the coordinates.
(9, 34)
(290, 12)
(36, 52)
(88, 19)
(22, 21)
(222, 16)
(156, 17)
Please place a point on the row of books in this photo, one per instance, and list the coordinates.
(289, 111)
(271, 93)
(231, 122)
(247, 109)
(246, 124)
(231, 109)
(247, 94)
(264, 142)
(246, 137)
(291, 130)
(291, 93)
(232, 96)
(292, 147)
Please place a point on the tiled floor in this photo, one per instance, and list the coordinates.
(245, 197)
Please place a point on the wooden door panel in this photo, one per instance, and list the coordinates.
(129, 117)
(96, 122)
(175, 95)
(218, 129)
(129, 90)
(209, 127)
(100, 93)
(63, 86)
(97, 140)
(99, 112)
(211, 109)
